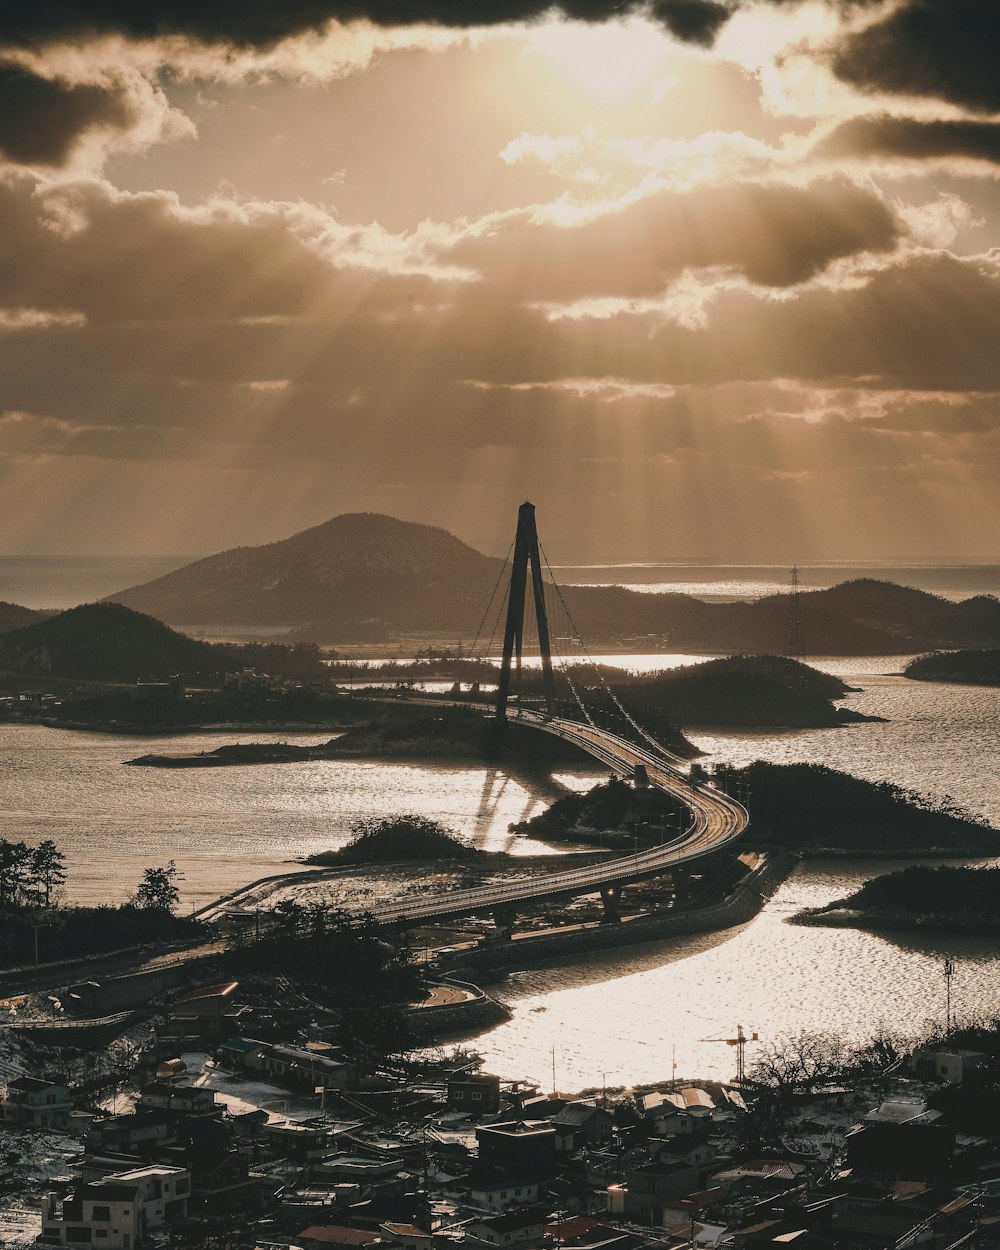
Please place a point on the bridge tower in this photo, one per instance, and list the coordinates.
(526, 556)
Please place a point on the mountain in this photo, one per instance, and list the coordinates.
(358, 569)
(105, 642)
(13, 616)
(363, 576)
(110, 643)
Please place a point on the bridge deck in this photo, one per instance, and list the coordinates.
(716, 821)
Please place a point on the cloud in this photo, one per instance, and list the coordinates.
(940, 48)
(774, 234)
(911, 139)
(42, 119)
(262, 23)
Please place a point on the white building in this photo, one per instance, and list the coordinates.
(118, 1211)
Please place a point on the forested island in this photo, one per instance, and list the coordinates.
(976, 667)
(806, 808)
(398, 840)
(965, 900)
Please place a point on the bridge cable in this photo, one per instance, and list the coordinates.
(600, 676)
(503, 571)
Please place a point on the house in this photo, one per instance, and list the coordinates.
(946, 1063)
(527, 1147)
(408, 1236)
(308, 1069)
(477, 1094)
(290, 1139)
(241, 1053)
(36, 1104)
(140, 1132)
(582, 1123)
(180, 1100)
(220, 1180)
(117, 1211)
(496, 1190)
(649, 1186)
(207, 1012)
(513, 1228)
(317, 1238)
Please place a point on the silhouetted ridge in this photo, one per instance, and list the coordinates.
(364, 576)
(105, 642)
(13, 616)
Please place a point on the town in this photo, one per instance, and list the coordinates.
(207, 1122)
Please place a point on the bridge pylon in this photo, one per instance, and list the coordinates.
(526, 556)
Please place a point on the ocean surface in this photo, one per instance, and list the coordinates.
(65, 581)
(622, 1017)
(754, 581)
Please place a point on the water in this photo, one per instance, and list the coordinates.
(228, 826)
(64, 581)
(624, 1016)
(722, 582)
(620, 1016)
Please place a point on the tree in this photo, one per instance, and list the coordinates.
(157, 890)
(15, 867)
(797, 1063)
(48, 869)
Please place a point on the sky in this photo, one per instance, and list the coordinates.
(703, 279)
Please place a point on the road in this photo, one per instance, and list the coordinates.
(716, 820)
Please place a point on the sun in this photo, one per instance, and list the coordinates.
(614, 61)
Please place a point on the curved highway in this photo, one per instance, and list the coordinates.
(716, 820)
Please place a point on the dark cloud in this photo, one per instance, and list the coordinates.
(261, 23)
(776, 235)
(941, 48)
(140, 258)
(913, 140)
(41, 119)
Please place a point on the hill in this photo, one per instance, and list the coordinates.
(110, 643)
(365, 577)
(352, 572)
(812, 807)
(13, 616)
(743, 690)
(965, 900)
(972, 668)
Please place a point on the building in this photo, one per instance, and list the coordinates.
(524, 1146)
(208, 1012)
(582, 1123)
(118, 1211)
(477, 1094)
(243, 1053)
(36, 1104)
(141, 1132)
(178, 1100)
(946, 1063)
(319, 1238)
(513, 1228)
(306, 1068)
(497, 1190)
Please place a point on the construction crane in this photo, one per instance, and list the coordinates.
(740, 1042)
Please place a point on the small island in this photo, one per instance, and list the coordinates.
(805, 808)
(399, 840)
(949, 899)
(241, 753)
(976, 667)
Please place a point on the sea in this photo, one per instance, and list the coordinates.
(621, 1018)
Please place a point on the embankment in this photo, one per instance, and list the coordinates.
(739, 907)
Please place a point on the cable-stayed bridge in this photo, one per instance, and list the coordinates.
(593, 719)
